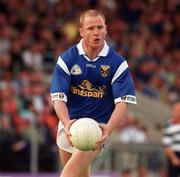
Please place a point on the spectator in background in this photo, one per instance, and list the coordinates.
(32, 57)
(14, 153)
(171, 141)
(164, 172)
(142, 171)
(174, 91)
(153, 88)
(6, 139)
(126, 173)
(133, 131)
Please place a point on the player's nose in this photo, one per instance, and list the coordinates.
(96, 32)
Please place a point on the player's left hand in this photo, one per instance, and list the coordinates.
(66, 128)
(105, 134)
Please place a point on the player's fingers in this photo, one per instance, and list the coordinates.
(68, 135)
(67, 131)
(70, 142)
(102, 126)
(68, 139)
(70, 123)
(67, 128)
(101, 140)
(105, 132)
(99, 146)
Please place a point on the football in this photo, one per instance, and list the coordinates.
(84, 134)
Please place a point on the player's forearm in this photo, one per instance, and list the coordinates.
(117, 115)
(61, 111)
(171, 155)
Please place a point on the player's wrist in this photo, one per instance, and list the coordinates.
(108, 130)
(68, 123)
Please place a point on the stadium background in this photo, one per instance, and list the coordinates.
(33, 34)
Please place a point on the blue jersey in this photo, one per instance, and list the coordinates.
(91, 88)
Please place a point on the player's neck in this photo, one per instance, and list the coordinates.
(92, 52)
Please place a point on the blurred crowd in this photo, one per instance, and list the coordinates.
(132, 130)
(34, 33)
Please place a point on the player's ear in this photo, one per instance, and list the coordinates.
(81, 31)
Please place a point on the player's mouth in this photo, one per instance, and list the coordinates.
(97, 40)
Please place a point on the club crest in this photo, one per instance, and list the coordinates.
(76, 70)
(105, 70)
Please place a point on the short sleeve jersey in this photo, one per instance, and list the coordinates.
(91, 88)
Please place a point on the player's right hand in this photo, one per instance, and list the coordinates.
(67, 128)
(105, 134)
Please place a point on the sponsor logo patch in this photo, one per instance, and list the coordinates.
(86, 89)
(128, 98)
(57, 96)
(90, 66)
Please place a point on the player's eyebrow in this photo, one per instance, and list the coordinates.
(96, 26)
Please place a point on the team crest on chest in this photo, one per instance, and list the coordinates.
(105, 70)
(76, 70)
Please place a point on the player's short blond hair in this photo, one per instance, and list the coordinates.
(91, 12)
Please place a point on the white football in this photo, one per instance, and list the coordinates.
(84, 134)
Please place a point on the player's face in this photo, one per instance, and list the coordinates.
(93, 31)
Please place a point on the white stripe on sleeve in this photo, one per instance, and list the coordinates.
(61, 63)
(119, 71)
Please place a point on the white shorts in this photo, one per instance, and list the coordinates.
(61, 140)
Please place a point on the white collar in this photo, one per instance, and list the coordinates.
(103, 53)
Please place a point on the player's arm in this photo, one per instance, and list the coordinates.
(123, 93)
(172, 156)
(117, 115)
(59, 92)
(61, 111)
(167, 141)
